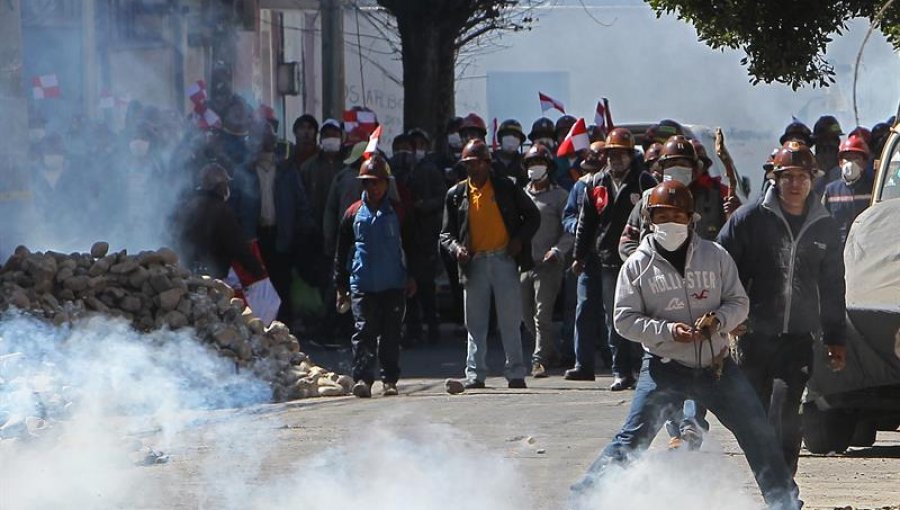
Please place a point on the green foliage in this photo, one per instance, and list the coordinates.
(783, 40)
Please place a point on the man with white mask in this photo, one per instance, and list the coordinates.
(507, 160)
(850, 195)
(549, 248)
(607, 202)
(678, 296)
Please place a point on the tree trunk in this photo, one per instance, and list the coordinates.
(429, 63)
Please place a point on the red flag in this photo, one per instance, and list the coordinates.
(494, 136)
(599, 197)
(372, 146)
(197, 92)
(548, 103)
(45, 86)
(600, 116)
(576, 140)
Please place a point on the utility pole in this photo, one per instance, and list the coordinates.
(13, 129)
(333, 80)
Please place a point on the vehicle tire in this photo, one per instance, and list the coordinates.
(863, 434)
(826, 431)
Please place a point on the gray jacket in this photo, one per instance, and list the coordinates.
(551, 203)
(651, 296)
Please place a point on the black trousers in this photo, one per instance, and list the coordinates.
(278, 266)
(379, 317)
(778, 367)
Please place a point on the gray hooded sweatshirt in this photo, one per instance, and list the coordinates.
(652, 296)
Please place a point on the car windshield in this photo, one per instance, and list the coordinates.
(890, 184)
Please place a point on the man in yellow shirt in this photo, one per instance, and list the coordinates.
(488, 226)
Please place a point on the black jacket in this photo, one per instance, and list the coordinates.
(520, 216)
(598, 233)
(427, 190)
(210, 237)
(795, 285)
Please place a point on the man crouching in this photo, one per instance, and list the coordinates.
(679, 295)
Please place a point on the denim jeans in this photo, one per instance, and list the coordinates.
(540, 287)
(626, 355)
(589, 316)
(497, 273)
(661, 389)
(378, 316)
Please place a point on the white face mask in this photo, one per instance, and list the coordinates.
(682, 174)
(332, 144)
(510, 143)
(851, 170)
(670, 236)
(139, 147)
(537, 172)
(54, 161)
(420, 155)
(36, 135)
(454, 141)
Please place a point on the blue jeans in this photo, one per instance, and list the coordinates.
(497, 273)
(626, 355)
(661, 389)
(588, 315)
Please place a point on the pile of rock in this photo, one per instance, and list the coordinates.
(152, 291)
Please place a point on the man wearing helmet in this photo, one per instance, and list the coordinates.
(370, 275)
(507, 158)
(488, 226)
(566, 164)
(788, 251)
(608, 200)
(827, 136)
(549, 248)
(678, 296)
(850, 195)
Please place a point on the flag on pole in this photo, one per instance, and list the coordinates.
(494, 136)
(372, 146)
(576, 140)
(548, 103)
(45, 86)
(600, 116)
(362, 118)
(609, 122)
(197, 92)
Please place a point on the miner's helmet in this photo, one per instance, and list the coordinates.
(373, 168)
(795, 155)
(671, 194)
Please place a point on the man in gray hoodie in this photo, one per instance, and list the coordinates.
(678, 295)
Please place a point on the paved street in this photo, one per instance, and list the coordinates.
(501, 448)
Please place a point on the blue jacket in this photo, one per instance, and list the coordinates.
(845, 201)
(796, 285)
(370, 256)
(573, 206)
(293, 220)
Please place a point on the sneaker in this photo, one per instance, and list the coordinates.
(578, 374)
(517, 384)
(618, 384)
(454, 387)
(389, 390)
(474, 384)
(362, 390)
(538, 370)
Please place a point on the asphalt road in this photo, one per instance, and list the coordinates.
(494, 448)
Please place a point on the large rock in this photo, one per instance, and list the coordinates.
(99, 249)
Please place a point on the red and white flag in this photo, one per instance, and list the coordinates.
(45, 86)
(107, 100)
(372, 146)
(548, 103)
(576, 140)
(600, 116)
(197, 92)
(208, 119)
(357, 117)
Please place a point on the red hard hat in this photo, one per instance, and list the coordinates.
(652, 153)
(374, 168)
(619, 138)
(473, 121)
(671, 194)
(678, 147)
(854, 143)
(862, 132)
(474, 150)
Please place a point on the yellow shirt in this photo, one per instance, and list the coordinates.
(486, 228)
